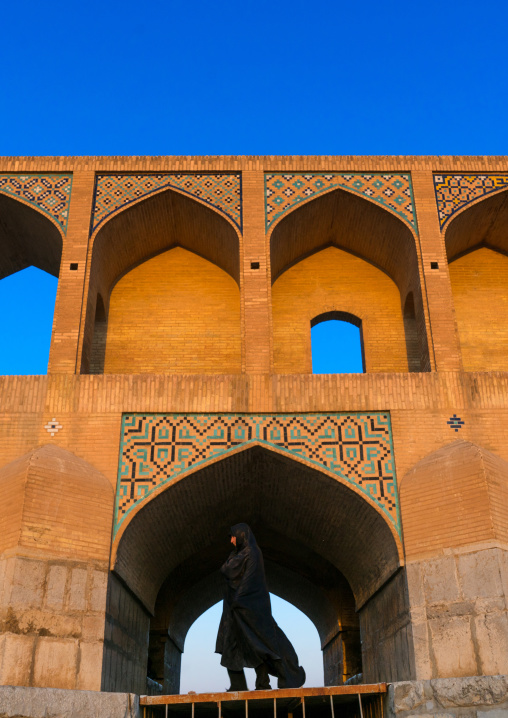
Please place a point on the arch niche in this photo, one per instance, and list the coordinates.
(476, 242)
(163, 290)
(339, 252)
(27, 238)
(327, 548)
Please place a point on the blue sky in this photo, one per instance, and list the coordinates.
(184, 78)
(247, 77)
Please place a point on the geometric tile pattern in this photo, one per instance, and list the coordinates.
(156, 448)
(455, 422)
(50, 193)
(222, 191)
(453, 192)
(284, 192)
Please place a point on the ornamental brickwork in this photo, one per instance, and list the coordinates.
(180, 393)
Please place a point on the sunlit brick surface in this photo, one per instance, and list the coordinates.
(174, 306)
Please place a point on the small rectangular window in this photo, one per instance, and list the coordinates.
(254, 265)
(73, 266)
(434, 265)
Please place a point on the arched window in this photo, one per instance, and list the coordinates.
(201, 669)
(27, 301)
(337, 344)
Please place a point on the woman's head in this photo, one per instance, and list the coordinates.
(241, 535)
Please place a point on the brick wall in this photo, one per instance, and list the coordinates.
(175, 313)
(336, 280)
(479, 283)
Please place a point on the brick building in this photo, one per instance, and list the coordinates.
(180, 399)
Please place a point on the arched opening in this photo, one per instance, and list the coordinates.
(201, 669)
(327, 551)
(30, 253)
(340, 252)
(26, 327)
(337, 344)
(477, 248)
(154, 265)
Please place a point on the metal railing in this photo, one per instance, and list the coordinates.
(359, 701)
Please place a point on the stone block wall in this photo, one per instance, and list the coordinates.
(459, 613)
(51, 622)
(470, 697)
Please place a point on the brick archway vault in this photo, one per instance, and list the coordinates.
(328, 549)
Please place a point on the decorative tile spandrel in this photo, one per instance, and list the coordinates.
(454, 192)
(284, 192)
(221, 191)
(49, 193)
(157, 448)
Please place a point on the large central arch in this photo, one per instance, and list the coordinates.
(328, 551)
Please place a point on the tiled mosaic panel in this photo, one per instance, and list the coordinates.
(156, 448)
(283, 192)
(222, 191)
(49, 193)
(453, 192)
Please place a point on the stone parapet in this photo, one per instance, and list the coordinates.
(21, 702)
(474, 697)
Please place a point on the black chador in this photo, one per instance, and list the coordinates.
(248, 636)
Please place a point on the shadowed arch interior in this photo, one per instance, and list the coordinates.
(147, 229)
(363, 229)
(482, 224)
(298, 501)
(344, 220)
(327, 550)
(27, 238)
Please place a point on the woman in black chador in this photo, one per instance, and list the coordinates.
(248, 635)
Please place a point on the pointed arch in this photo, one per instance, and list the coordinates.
(28, 237)
(476, 240)
(363, 229)
(482, 222)
(221, 191)
(216, 480)
(285, 192)
(147, 228)
(328, 550)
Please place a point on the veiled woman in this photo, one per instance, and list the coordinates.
(248, 636)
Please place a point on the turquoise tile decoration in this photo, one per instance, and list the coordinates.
(157, 448)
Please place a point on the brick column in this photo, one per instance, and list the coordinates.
(69, 297)
(256, 282)
(444, 335)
